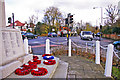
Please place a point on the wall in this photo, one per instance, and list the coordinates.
(112, 36)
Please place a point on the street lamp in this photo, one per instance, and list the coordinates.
(101, 14)
(101, 19)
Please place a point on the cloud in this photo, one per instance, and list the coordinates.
(83, 9)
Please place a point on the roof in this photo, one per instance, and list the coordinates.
(17, 23)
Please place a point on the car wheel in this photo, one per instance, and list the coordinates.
(91, 39)
(118, 47)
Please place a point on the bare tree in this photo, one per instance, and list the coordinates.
(52, 15)
(33, 19)
(112, 13)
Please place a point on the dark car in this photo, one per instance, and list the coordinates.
(99, 34)
(117, 45)
(52, 34)
(30, 35)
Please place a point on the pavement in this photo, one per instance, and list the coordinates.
(82, 68)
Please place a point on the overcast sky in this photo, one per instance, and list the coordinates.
(82, 9)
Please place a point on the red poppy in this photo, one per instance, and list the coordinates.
(22, 71)
(50, 62)
(46, 55)
(35, 57)
(37, 61)
(39, 72)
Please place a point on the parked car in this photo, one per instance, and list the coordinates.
(52, 34)
(99, 34)
(86, 35)
(30, 35)
(117, 45)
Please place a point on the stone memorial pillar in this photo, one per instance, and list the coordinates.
(2, 13)
(12, 53)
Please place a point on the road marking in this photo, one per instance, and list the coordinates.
(35, 42)
(42, 45)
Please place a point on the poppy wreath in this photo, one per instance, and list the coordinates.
(48, 57)
(35, 57)
(50, 62)
(26, 66)
(39, 72)
(22, 71)
(37, 61)
(33, 65)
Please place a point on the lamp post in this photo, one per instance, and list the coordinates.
(101, 14)
(101, 20)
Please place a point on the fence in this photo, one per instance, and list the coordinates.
(105, 53)
(108, 49)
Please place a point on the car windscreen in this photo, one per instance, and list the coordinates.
(87, 33)
(53, 33)
(28, 34)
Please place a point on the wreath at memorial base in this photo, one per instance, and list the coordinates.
(22, 71)
(37, 61)
(33, 65)
(46, 55)
(49, 62)
(39, 72)
(35, 57)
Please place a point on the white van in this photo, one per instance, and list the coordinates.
(86, 35)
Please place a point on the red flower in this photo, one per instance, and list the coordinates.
(46, 55)
(35, 57)
(30, 62)
(37, 61)
(39, 72)
(49, 62)
(33, 65)
(22, 71)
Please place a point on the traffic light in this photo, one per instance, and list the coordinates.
(96, 28)
(100, 26)
(71, 19)
(66, 20)
(9, 20)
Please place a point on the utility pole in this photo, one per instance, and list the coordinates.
(13, 20)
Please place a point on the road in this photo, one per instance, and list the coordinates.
(38, 45)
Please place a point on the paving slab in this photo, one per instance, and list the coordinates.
(82, 68)
(61, 71)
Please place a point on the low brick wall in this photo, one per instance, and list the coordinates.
(112, 36)
(44, 35)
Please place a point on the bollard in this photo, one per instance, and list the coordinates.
(47, 46)
(26, 45)
(109, 58)
(86, 47)
(97, 58)
(93, 48)
(69, 54)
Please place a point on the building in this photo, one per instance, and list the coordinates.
(21, 26)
